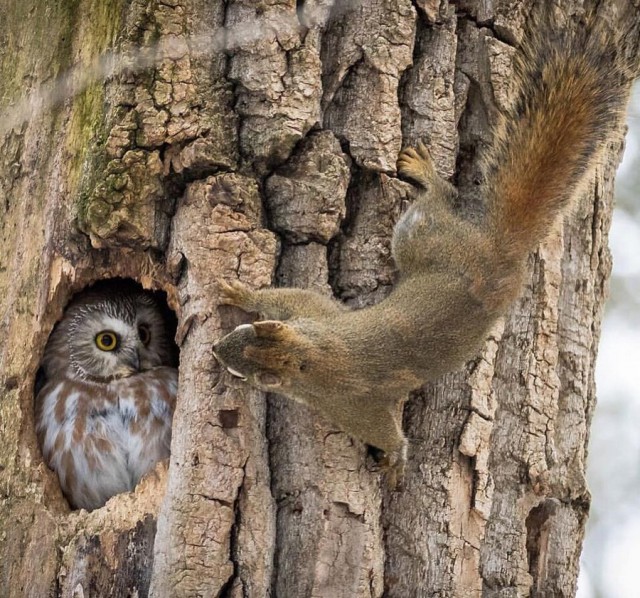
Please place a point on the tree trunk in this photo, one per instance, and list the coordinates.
(266, 151)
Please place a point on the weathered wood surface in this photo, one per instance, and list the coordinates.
(275, 161)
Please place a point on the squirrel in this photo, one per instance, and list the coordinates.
(456, 276)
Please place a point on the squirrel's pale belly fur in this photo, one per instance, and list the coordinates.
(456, 277)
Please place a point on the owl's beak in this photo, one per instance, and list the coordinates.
(133, 361)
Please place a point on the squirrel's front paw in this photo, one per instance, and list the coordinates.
(416, 164)
(235, 293)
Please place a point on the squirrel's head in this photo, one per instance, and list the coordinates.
(270, 355)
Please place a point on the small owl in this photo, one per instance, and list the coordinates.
(103, 415)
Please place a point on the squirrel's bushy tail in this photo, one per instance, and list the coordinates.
(573, 86)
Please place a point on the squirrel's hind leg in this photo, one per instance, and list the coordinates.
(432, 234)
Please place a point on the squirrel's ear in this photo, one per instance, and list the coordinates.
(270, 329)
(269, 380)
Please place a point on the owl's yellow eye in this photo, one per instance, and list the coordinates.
(106, 340)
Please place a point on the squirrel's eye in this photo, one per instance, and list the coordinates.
(106, 340)
(144, 333)
(303, 366)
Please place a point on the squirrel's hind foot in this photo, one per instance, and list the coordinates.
(416, 164)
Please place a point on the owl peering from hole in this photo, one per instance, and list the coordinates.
(103, 415)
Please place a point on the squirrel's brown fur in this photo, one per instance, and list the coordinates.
(455, 276)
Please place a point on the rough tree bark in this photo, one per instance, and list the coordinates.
(275, 161)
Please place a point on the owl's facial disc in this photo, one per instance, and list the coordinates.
(108, 347)
(117, 336)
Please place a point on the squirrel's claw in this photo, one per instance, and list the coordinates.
(416, 164)
(392, 464)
